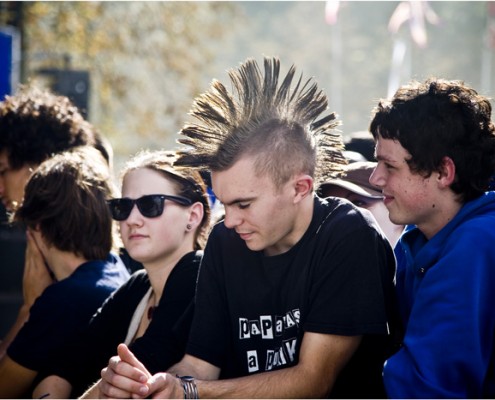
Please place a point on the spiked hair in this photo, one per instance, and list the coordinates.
(275, 123)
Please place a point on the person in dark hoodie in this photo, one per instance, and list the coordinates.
(435, 146)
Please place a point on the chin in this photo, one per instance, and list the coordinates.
(397, 220)
(254, 246)
(137, 255)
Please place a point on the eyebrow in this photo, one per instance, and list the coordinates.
(237, 201)
(384, 158)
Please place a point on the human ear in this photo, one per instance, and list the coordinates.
(303, 186)
(446, 172)
(196, 213)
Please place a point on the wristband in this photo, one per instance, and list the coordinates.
(189, 386)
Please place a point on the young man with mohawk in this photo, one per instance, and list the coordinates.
(294, 296)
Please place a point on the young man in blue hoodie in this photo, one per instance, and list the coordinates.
(435, 146)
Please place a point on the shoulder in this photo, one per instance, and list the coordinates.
(342, 217)
(188, 266)
(53, 294)
(348, 235)
(220, 231)
(336, 207)
(192, 258)
(114, 266)
(92, 279)
(223, 239)
(473, 226)
(110, 273)
(130, 293)
(138, 278)
(473, 239)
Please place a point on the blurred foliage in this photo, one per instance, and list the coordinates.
(143, 58)
(148, 60)
(297, 32)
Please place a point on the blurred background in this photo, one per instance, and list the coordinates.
(134, 68)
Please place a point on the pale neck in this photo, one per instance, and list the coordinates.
(63, 264)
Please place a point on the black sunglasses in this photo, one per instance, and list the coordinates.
(150, 206)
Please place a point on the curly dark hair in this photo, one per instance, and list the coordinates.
(279, 121)
(441, 118)
(36, 124)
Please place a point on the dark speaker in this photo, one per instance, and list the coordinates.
(74, 85)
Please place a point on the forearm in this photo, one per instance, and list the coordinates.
(294, 382)
(92, 393)
(321, 359)
(193, 366)
(53, 387)
(15, 380)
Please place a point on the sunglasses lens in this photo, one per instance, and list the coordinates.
(120, 208)
(151, 206)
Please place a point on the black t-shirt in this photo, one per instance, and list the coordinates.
(252, 310)
(161, 346)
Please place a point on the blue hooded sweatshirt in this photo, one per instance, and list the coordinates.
(446, 294)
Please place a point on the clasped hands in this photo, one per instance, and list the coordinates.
(126, 377)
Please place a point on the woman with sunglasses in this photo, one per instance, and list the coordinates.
(164, 217)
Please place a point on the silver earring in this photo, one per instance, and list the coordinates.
(188, 227)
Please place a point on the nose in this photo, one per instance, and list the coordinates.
(377, 177)
(231, 218)
(135, 217)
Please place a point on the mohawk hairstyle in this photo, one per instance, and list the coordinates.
(232, 125)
